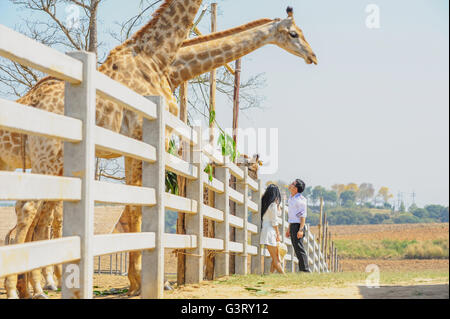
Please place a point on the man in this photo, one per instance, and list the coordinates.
(297, 218)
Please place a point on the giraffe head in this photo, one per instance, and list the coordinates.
(253, 164)
(290, 38)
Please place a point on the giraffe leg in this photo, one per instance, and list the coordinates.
(26, 212)
(57, 233)
(49, 279)
(130, 221)
(56, 229)
(24, 280)
(122, 225)
(133, 171)
(24, 284)
(135, 265)
(47, 271)
(42, 232)
(46, 157)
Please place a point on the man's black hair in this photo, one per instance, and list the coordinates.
(300, 185)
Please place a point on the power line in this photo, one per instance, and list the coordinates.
(413, 195)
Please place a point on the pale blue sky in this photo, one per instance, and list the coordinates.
(375, 109)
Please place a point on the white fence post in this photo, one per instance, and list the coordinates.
(283, 221)
(292, 265)
(287, 263)
(79, 161)
(153, 175)
(307, 246)
(266, 265)
(256, 220)
(194, 223)
(321, 260)
(242, 234)
(335, 259)
(317, 255)
(222, 230)
(313, 252)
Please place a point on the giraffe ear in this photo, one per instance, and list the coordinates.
(290, 12)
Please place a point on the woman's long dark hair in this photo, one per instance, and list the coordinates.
(271, 194)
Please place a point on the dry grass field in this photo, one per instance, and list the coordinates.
(372, 235)
(391, 232)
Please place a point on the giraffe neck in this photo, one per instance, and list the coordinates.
(198, 57)
(142, 61)
(161, 38)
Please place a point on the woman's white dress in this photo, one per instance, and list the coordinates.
(268, 233)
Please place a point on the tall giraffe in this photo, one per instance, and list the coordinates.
(141, 63)
(203, 54)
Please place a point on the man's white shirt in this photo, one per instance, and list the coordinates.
(297, 208)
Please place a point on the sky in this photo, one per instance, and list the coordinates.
(374, 109)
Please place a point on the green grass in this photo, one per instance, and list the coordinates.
(392, 249)
(275, 284)
(379, 211)
(110, 292)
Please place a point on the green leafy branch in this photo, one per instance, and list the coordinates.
(226, 143)
(171, 178)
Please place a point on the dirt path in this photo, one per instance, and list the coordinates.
(353, 291)
(422, 288)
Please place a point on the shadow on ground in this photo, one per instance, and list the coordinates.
(408, 292)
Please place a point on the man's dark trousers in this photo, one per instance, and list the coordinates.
(300, 251)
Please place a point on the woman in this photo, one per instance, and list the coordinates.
(270, 235)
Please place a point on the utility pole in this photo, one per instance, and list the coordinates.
(399, 200)
(324, 230)
(209, 224)
(212, 79)
(320, 220)
(181, 224)
(237, 84)
(413, 195)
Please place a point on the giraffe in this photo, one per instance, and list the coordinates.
(141, 63)
(205, 53)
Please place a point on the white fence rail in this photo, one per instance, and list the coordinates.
(79, 191)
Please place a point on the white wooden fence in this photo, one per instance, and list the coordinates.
(78, 189)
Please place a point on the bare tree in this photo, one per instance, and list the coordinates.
(73, 32)
(110, 169)
(199, 87)
(72, 25)
(128, 27)
(199, 93)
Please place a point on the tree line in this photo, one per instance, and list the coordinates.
(353, 204)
